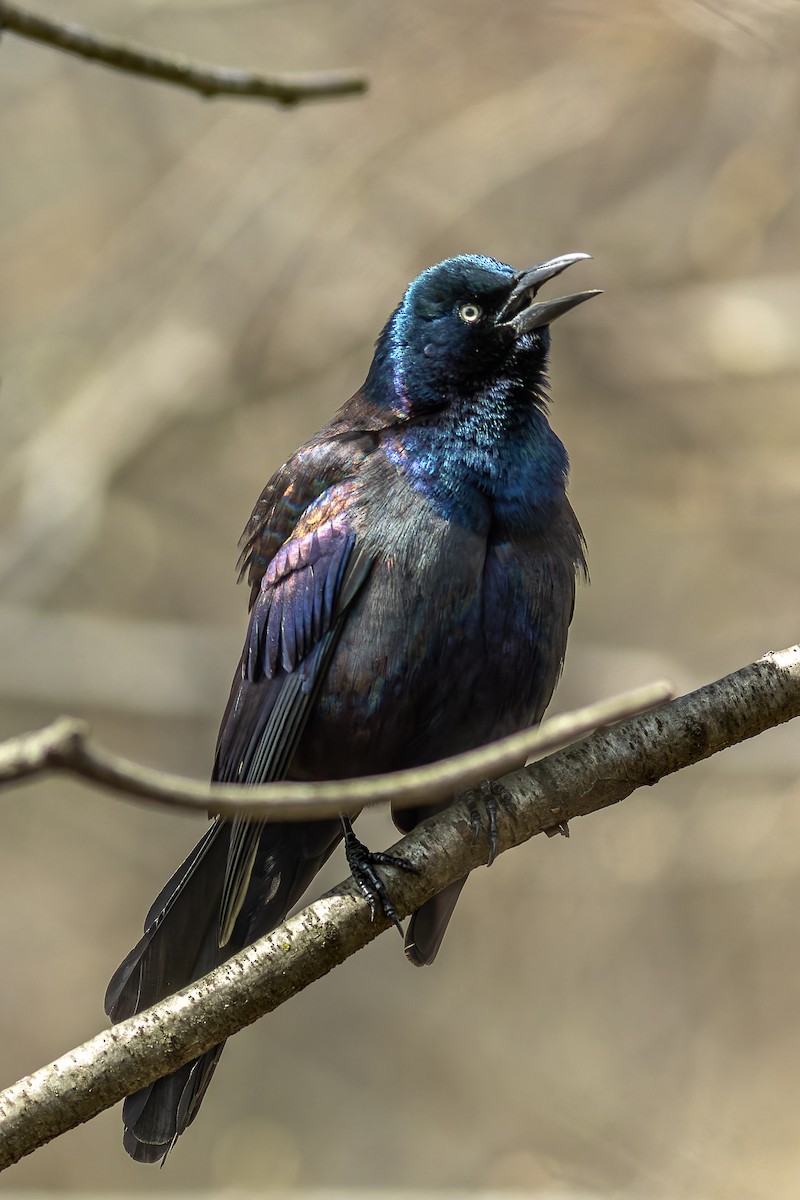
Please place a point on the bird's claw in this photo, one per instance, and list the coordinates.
(362, 863)
(482, 802)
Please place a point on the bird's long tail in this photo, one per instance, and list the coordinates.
(181, 943)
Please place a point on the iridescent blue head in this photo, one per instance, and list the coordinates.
(465, 324)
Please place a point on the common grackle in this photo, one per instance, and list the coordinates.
(412, 571)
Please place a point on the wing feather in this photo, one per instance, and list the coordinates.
(285, 658)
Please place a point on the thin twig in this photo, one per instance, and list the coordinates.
(287, 88)
(65, 745)
(602, 770)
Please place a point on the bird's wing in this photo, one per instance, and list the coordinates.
(295, 621)
(333, 456)
(300, 530)
(299, 557)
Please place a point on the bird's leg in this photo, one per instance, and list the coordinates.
(482, 802)
(362, 863)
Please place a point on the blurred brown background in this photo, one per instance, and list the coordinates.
(187, 290)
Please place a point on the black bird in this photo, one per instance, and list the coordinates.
(412, 571)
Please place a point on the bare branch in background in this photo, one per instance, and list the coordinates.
(65, 746)
(600, 771)
(286, 88)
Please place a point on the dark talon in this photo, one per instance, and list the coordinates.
(560, 827)
(362, 863)
(485, 800)
(475, 818)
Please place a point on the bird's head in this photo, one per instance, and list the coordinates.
(468, 322)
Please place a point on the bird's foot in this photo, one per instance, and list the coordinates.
(362, 863)
(482, 803)
(561, 827)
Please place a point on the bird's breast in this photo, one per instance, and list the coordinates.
(442, 650)
(478, 473)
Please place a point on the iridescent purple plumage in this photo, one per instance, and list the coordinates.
(413, 573)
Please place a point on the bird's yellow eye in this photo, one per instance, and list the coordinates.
(470, 313)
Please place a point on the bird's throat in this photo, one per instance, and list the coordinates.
(491, 460)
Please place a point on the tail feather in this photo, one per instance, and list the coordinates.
(154, 1117)
(181, 943)
(429, 923)
(174, 948)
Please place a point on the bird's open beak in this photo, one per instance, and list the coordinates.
(523, 312)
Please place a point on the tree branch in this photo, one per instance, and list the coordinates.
(287, 88)
(602, 770)
(65, 745)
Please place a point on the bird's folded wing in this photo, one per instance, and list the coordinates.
(295, 622)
